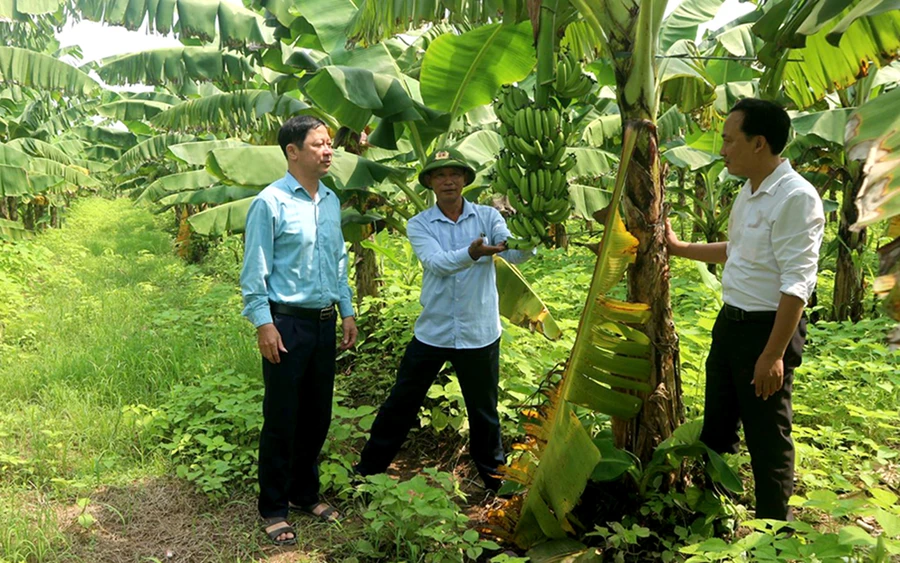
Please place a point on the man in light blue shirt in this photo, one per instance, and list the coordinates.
(460, 320)
(295, 271)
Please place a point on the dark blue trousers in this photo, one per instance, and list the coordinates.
(478, 371)
(731, 400)
(297, 413)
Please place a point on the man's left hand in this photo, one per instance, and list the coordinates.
(350, 332)
(768, 376)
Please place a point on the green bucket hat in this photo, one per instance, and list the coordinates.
(443, 158)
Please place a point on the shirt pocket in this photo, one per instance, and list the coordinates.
(757, 241)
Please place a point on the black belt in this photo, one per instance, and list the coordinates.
(736, 314)
(303, 313)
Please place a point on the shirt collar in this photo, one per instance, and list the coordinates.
(772, 179)
(294, 186)
(435, 213)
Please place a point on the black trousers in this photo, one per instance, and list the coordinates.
(297, 413)
(731, 400)
(478, 371)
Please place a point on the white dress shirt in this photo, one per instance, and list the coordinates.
(774, 239)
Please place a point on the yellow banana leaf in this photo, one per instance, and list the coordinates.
(520, 304)
(609, 353)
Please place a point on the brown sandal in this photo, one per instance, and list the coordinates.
(321, 510)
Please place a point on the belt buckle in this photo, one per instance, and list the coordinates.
(735, 313)
(326, 313)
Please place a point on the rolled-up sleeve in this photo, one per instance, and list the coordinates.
(796, 237)
(434, 259)
(259, 240)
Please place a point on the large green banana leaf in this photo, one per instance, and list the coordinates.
(329, 18)
(587, 200)
(132, 110)
(461, 72)
(13, 181)
(520, 304)
(608, 354)
(873, 135)
(807, 55)
(9, 9)
(43, 72)
(829, 125)
(194, 154)
(162, 187)
(105, 136)
(12, 230)
(348, 171)
(590, 162)
(376, 20)
(227, 218)
(72, 175)
(689, 157)
(685, 20)
(215, 195)
(151, 150)
(682, 78)
(38, 148)
(68, 118)
(231, 111)
(738, 41)
(602, 130)
(175, 65)
(206, 20)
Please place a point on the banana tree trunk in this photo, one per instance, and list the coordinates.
(648, 282)
(54, 217)
(28, 216)
(849, 292)
(12, 207)
(4, 211)
(367, 274)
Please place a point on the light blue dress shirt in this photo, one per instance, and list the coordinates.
(460, 306)
(294, 251)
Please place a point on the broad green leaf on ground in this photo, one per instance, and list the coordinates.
(132, 110)
(520, 304)
(207, 20)
(194, 154)
(873, 135)
(172, 183)
(12, 230)
(807, 56)
(685, 20)
(43, 72)
(460, 72)
(152, 149)
(689, 157)
(226, 218)
(827, 125)
(175, 65)
(231, 111)
(682, 78)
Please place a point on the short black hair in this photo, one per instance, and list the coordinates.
(295, 129)
(762, 117)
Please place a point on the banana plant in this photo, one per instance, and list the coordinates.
(609, 354)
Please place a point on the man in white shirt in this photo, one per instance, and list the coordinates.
(775, 231)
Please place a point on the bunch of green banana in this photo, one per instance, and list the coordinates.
(571, 82)
(531, 170)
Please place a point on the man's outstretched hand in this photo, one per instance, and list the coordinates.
(478, 249)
